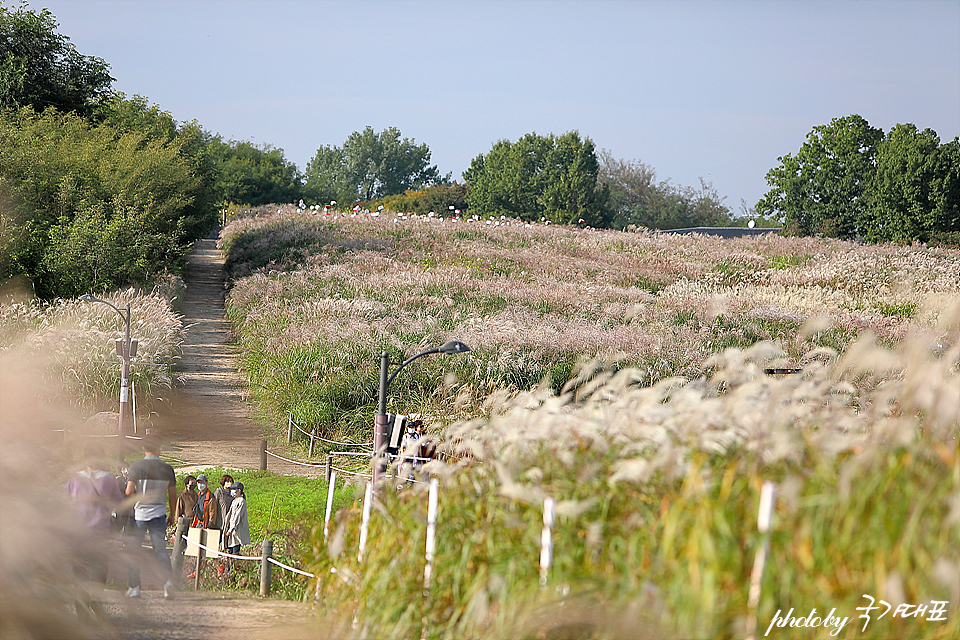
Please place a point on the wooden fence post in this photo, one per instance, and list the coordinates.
(329, 467)
(290, 429)
(263, 455)
(265, 567)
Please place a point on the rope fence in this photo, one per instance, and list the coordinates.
(292, 425)
(266, 559)
(217, 551)
(330, 468)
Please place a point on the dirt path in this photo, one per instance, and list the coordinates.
(209, 419)
(208, 423)
(207, 616)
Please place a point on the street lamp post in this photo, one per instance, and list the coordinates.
(124, 350)
(381, 421)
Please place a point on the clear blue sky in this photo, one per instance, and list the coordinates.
(712, 89)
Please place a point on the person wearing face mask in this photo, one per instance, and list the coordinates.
(187, 499)
(207, 510)
(237, 526)
(223, 495)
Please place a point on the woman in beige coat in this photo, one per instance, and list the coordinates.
(237, 527)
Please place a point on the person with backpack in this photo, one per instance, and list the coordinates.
(94, 494)
(207, 510)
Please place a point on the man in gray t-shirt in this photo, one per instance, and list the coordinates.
(155, 484)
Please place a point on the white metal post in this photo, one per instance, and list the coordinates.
(546, 540)
(431, 533)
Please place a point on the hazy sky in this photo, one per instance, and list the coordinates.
(694, 89)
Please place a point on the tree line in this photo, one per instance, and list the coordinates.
(99, 190)
(851, 180)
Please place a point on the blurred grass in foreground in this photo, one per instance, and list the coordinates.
(657, 492)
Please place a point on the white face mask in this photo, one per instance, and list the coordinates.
(202, 487)
(233, 492)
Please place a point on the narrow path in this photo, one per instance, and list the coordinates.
(208, 421)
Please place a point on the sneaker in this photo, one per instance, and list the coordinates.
(192, 575)
(168, 590)
(133, 592)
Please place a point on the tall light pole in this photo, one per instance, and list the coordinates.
(381, 421)
(125, 349)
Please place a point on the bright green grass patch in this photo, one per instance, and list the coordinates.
(903, 311)
(286, 509)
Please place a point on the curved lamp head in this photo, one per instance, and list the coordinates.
(453, 346)
(87, 298)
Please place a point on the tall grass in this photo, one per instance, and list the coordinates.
(75, 342)
(657, 490)
(621, 374)
(315, 299)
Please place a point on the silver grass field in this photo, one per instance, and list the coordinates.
(620, 374)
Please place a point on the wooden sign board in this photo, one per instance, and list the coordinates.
(209, 538)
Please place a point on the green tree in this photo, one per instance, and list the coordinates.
(56, 168)
(252, 174)
(137, 114)
(106, 246)
(369, 166)
(550, 177)
(41, 68)
(824, 188)
(636, 198)
(915, 193)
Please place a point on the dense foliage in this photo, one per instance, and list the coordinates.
(537, 178)
(40, 68)
(253, 174)
(443, 200)
(849, 180)
(97, 191)
(368, 166)
(95, 206)
(637, 199)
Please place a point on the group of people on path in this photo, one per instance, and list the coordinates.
(224, 509)
(102, 505)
